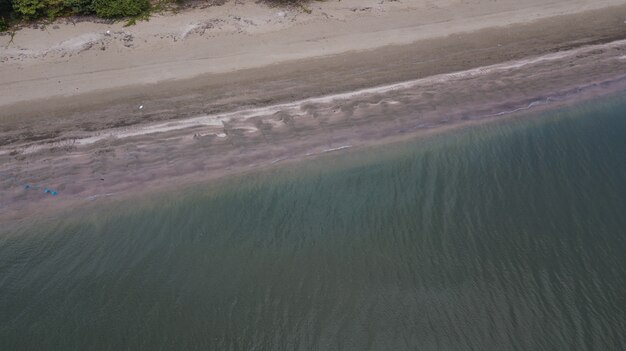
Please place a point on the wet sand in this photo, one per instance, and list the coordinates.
(104, 146)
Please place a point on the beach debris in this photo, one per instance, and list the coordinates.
(141, 107)
(49, 191)
(26, 186)
(127, 39)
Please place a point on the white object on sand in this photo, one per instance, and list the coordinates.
(141, 107)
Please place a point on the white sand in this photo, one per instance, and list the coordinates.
(69, 60)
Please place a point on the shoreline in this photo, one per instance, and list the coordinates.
(162, 184)
(45, 207)
(189, 132)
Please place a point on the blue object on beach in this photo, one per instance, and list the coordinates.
(49, 191)
(26, 186)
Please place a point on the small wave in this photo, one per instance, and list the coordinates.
(278, 160)
(525, 108)
(97, 196)
(338, 148)
(329, 150)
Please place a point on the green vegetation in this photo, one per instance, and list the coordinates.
(15, 11)
(120, 8)
(33, 9)
(5, 11)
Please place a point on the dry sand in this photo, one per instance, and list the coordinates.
(176, 100)
(68, 60)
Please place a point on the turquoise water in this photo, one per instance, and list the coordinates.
(510, 236)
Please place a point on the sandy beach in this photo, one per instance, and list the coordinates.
(98, 109)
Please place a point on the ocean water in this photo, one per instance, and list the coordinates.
(507, 236)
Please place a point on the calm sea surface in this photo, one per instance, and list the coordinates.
(510, 236)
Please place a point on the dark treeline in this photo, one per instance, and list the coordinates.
(12, 11)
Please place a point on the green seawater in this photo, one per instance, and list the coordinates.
(507, 236)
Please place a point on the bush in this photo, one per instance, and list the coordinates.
(4, 25)
(5, 8)
(29, 9)
(13, 11)
(54, 8)
(79, 6)
(32, 9)
(5, 14)
(120, 8)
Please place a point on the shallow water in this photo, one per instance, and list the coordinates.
(510, 236)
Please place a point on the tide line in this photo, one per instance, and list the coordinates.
(218, 120)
